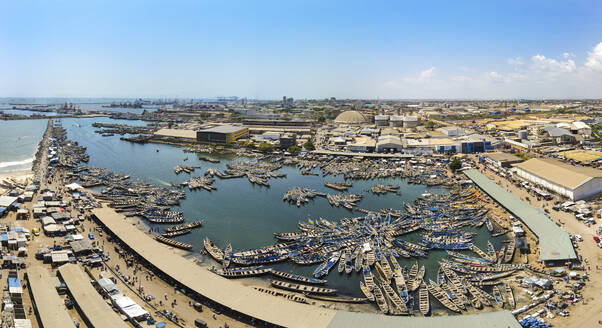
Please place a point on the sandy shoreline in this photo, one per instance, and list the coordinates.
(18, 176)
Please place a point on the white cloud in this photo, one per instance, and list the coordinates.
(423, 77)
(567, 55)
(543, 64)
(594, 58)
(518, 61)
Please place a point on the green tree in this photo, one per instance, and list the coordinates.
(265, 147)
(455, 165)
(308, 145)
(294, 149)
(430, 125)
(251, 145)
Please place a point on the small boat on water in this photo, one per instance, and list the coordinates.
(174, 243)
(175, 233)
(325, 267)
(241, 273)
(358, 261)
(297, 277)
(386, 268)
(341, 268)
(302, 288)
(418, 279)
(368, 278)
(489, 225)
(499, 300)
(348, 263)
(412, 275)
(166, 221)
(423, 298)
(213, 250)
(398, 304)
(366, 291)
(510, 296)
(380, 300)
(442, 296)
(187, 226)
(227, 256)
(337, 299)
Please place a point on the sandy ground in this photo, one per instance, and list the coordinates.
(589, 312)
(18, 176)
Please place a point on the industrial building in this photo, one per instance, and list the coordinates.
(573, 182)
(389, 143)
(502, 159)
(222, 134)
(410, 121)
(396, 121)
(381, 120)
(350, 117)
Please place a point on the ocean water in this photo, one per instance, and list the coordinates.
(18, 143)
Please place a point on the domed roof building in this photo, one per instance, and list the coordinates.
(350, 117)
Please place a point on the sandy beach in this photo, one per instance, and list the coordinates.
(18, 176)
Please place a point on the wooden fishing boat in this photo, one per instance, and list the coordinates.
(368, 278)
(241, 273)
(380, 300)
(227, 256)
(386, 268)
(213, 250)
(370, 257)
(302, 288)
(337, 299)
(348, 263)
(509, 254)
(476, 303)
(366, 291)
(483, 297)
(175, 233)
(498, 296)
(442, 296)
(412, 275)
(187, 226)
(397, 302)
(418, 279)
(173, 243)
(342, 262)
(489, 225)
(455, 296)
(491, 276)
(287, 235)
(491, 250)
(423, 298)
(358, 261)
(510, 296)
(297, 278)
(166, 221)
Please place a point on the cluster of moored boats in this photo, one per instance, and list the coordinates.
(300, 196)
(187, 169)
(371, 247)
(347, 201)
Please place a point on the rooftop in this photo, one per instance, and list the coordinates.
(554, 242)
(49, 305)
(503, 157)
(557, 172)
(89, 301)
(223, 129)
(350, 116)
(176, 133)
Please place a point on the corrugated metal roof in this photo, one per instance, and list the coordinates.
(503, 157)
(500, 319)
(554, 242)
(224, 129)
(559, 173)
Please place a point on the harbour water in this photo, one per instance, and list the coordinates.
(238, 212)
(19, 142)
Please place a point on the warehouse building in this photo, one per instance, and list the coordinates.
(389, 143)
(573, 182)
(222, 134)
(502, 159)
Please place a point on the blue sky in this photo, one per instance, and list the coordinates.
(304, 49)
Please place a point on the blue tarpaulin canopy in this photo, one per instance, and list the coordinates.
(434, 209)
(14, 282)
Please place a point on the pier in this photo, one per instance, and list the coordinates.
(554, 243)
